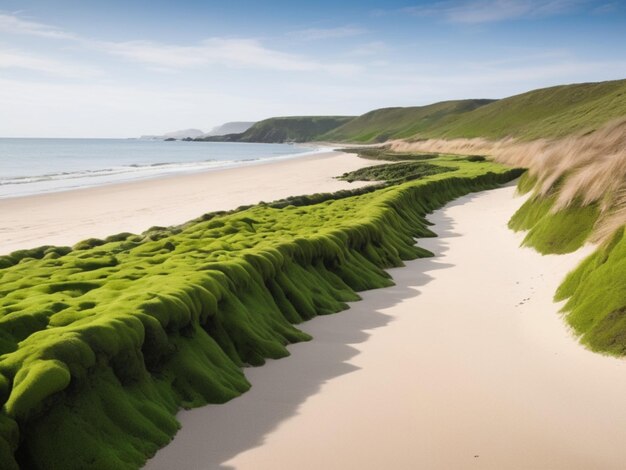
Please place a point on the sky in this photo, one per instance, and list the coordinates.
(76, 68)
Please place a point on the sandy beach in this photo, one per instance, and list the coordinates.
(465, 363)
(64, 218)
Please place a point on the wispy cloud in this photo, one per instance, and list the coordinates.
(314, 34)
(16, 25)
(489, 11)
(13, 59)
(230, 52)
(243, 53)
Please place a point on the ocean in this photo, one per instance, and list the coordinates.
(34, 166)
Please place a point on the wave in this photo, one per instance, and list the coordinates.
(134, 169)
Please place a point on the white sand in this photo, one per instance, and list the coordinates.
(64, 218)
(464, 364)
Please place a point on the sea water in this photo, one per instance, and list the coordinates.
(33, 166)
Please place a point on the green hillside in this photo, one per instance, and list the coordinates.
(548, 112)
(286, 129)
(386, 123)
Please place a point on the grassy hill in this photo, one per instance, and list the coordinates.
(548, 112)
(286, 129)
(397, 123)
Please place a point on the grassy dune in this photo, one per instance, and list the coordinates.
(102, 343)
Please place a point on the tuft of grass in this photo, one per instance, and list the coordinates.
(107, 340)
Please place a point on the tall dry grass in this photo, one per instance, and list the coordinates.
(585, 169)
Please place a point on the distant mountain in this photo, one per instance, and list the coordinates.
(181, 134)
(230, 128)
(285, 129)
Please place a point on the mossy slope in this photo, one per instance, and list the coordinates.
(102, 343)
(596, 289)
(549, 231)
(596, 293)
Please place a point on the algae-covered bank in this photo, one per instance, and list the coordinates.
(102, 343)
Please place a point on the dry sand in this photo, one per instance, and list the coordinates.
(64, 218)
(463, 364)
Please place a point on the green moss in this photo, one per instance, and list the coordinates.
(394, 172)
(559, 232)
(596, 293)
(109, 339)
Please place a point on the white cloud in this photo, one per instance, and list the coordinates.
(13, 24)
(246, 53)
(488, 11)
(313, 34)
(12, 59)
(232, 52)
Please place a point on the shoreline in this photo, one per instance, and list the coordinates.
(489, 377)
(67, 217)
(318, 149)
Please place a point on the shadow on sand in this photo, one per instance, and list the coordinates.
(214, 434)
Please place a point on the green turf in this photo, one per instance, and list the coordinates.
(102, 343)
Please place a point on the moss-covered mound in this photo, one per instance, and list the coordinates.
(394, 172)
(102, 343)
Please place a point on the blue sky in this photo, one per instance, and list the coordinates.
(122, 69)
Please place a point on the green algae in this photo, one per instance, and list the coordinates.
(103, 343)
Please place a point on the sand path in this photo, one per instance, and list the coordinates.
(463, 364)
